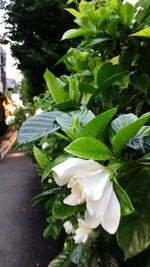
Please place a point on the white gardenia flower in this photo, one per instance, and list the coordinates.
(10, 119)
(68, 227)
(90, 182)
(38, 111)
(82, 233)
(133, 2)
(45, 145)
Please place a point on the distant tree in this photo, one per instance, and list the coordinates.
(34, 30)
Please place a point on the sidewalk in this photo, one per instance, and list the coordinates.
(6, 142)
(21, 227)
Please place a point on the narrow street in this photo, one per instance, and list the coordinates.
(21, 227)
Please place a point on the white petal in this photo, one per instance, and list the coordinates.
(91, 221)
(98, 207)
(111, 218)
(68, 227)
(94, 184)
(81, 235)
(72, 200)
(65, 170)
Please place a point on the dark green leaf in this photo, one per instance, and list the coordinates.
(38, 126)
(106, 75)
(134, 231)
(124, 200)
(62, 260)
(128, 132)
(61, 210)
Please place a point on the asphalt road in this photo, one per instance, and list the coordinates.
(21, 227)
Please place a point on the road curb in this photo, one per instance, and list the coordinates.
(6, 145)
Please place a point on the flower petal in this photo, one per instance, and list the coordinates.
(72, 200)
(94, 184)
(110, 220)
(98, 207)
(65, 170)
(91, 221)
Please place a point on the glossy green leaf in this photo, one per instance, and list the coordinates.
(61, 210)
(143, 33)
(128, 132)
(124, 200)
(89, 148)
(120, 122)
(105, 76)
(134, 231)
(96, 127)
(65, 106)
(38, 126)
(127, 13)
(62, 260)
(92, 42)
(41, 158)
(74, 92)
(65, 120)
(59, 95)
(73, 33)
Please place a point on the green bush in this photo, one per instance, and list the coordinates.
(98, 118)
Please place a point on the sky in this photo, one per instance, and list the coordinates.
(11, 69)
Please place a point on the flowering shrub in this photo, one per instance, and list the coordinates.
(93, 143)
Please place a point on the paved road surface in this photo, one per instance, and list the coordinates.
(21, 241)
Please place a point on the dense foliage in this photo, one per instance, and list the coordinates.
(98, 117)
(34, 32)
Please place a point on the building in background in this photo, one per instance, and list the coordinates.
(2, 70)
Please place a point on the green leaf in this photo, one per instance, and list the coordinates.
(134, 231)
(38, 126)
(66, 105)
(53, 229)
(97, 126)
(121, 122)
(62, 260)
(53, 164)
(140, 143)
(73, 12)
(73, 33)
(58, 93)
(124, 200)
(146, 157)
(89, 43)
(61, 210)
(105, 76)
(143, 33)
(86, 88)
(89, 148)
(127, 133)
(65, 120)
(126, 13)
(74, 92)
(41, 158)
(42, 196)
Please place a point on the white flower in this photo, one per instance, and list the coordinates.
(133, 2)
(90, 182)
(82, 233)
(10, 119)
(38, 111)
(45, 145)
(68, 227)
